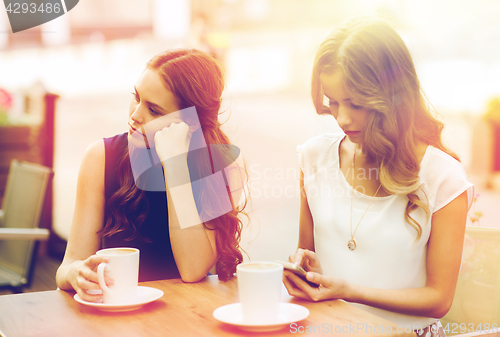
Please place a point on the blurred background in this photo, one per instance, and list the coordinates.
(69, 83)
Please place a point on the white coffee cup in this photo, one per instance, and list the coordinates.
(259, 288)
(123, 269)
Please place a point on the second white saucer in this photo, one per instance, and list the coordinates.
(288, 313)
(145, 295)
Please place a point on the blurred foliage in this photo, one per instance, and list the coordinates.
(5, 105)
(492, 114)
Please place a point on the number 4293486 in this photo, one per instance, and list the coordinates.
(471, 327)
(32, 8)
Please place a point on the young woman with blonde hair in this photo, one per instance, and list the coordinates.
(387, 229)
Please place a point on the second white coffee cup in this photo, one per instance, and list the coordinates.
(259, 289)
(123, 269)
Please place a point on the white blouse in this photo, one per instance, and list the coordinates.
(387, 255)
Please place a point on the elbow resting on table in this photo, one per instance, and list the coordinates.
(192, 276)
(440, 310)
(61, 281)
(441, 307)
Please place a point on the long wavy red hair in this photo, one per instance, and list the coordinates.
(196, 79)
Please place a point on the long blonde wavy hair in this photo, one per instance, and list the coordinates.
(379, 75)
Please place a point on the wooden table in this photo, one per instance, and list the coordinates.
(185, 310)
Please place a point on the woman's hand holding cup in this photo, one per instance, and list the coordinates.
(123, 267)
(84, 278)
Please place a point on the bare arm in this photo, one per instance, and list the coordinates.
(443, 263)
(304, 256)
(192, 244)
(193, 247)
(306, 229)
(76, 270)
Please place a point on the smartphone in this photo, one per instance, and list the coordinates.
(297, 270)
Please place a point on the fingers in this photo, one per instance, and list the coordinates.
(172, 140)
(90, 276)
(93, 261)
(182, 125)
(179, 127)
(297, 280)
(309, 254)
(87, 280)
(302, 289)
(317, 278)
(87, 290)
(306, 259)
(181, 130)
(88, 271)
(298, 257)
(88, 285)
(89, 297)
(312, 262)
(289, 280)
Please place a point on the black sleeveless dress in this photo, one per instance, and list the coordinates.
(156, 257)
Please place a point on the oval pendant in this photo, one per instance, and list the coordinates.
(351, 244)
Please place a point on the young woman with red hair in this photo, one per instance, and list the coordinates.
(116, 208)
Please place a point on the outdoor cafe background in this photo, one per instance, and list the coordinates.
(92, 56)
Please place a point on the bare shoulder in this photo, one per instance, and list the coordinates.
(92, 166)
(95, 150)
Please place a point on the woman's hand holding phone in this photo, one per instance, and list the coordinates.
(302, 262)
(307, 260)
(328, 287)
(297, 270)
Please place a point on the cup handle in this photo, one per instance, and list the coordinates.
(100, 276)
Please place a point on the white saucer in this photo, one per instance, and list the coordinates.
(289, 313)
(145, 295)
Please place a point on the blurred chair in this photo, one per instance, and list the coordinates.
(19, 221)
(477, 296)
